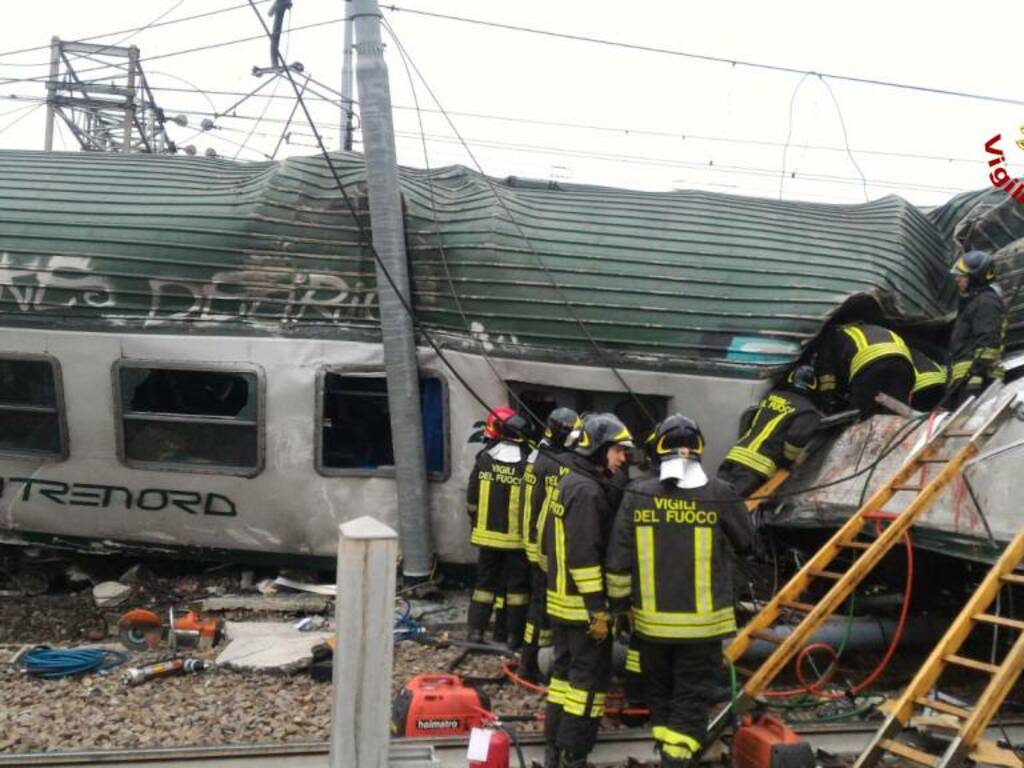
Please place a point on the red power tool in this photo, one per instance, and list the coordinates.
(769, 743)
(438, 705)
(142, 630)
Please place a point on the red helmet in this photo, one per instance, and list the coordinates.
(492, 427)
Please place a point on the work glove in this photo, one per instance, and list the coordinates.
(599, 626)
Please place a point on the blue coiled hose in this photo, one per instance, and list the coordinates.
(43, 661)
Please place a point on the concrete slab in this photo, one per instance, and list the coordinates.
(301, 603)
(110, 593)
(268, 647)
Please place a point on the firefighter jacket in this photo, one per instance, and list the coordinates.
(782, 425)
(976, 344)
(574, 545)
(927, 374)
(669, 558)
(846, 350)
(492, 496)
(540, 480)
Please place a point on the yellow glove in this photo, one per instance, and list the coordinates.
(599, 626)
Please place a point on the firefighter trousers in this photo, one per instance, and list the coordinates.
(680, 680)
(538, 628)
(893, 376)
(501, 573)
(743, 479)
(579, 681)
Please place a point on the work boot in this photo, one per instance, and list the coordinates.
(475, 635)
(572, 761)
(552, 755)
(529, 669)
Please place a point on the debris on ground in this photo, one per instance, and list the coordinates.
(268, 647)
(108, 594)
(295, 603)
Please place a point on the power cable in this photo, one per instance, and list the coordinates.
(132, 34)
(846, 137)
(702, 57)
(32, 110)
(789, 132)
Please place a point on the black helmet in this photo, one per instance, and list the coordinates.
(599, 430)
(514, 428)
(979, 266)
(802, 378)
(560, 423)
(675, 434)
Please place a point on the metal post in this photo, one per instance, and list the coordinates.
(397, 331)
(51, 93)
(129, 112)
(364, 625)
(346, 83)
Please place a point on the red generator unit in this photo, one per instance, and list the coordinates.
(438, 705)
(769, 743)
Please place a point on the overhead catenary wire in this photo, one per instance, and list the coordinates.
(702, 57)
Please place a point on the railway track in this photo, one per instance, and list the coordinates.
(611, 749)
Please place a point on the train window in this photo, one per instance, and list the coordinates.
(189, 419)
(355, 429)
(32, 408)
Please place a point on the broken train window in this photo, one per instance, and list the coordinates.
(31, 408)
(355, 427)
(203, 420)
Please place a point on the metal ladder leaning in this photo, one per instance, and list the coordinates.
(867, 553)
(971, 723)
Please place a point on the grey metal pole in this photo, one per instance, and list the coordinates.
(397, 331)
(346, 83)
(364, 613)
(129, 112)
(51, 93)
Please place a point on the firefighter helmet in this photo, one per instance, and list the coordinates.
(514, 428)
(492, 427)
(978, 266)
(560, 423)
(802, 378)
(600, 430)
(677, 435)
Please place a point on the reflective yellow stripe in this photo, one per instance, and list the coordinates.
(588, 580)
(702, 569)
(684, 626)
(868, 352)
(771, 426)
(791, 452)
(546, 638)
(499, 603)
(931, 379)
(826, 382)
(517, 598)
(645, 555)
(528, 633)
(678, 739)
(960, 369)
(556, 690)
(633, 661)
(513, 511)
(527, 495)
(485, 505)
(482, 596)
(566, 607)
(576, 702)
(619, 584)
(748, 458)
(560, 575)
(988, 353)
(482, 538)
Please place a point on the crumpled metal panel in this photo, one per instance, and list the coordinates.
(686, 281)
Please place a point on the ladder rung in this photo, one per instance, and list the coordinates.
(826, 574)
(941, 706)
(1012, 578)
(796, 605)
(967, 433)
(907, 488)
(963, 661)
(914, 755)
(989, 618)
(768, 637)
(862, 545)
(744, 671)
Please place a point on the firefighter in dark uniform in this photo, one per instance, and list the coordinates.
(782, 424)
(976, 343)
(545, 467)
(575, 539)
(668, 569)
(929, 382)
(858, 361)
(492, 501)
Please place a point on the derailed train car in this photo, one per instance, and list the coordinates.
(190, 356)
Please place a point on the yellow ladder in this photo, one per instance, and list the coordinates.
(972, 721)
(867, 553)
(769, 487)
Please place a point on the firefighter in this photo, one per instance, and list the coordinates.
(668, 570)
(858, 361)
(976, 343)
(929, 382)
(575, 539)
(492, 501)
(545, 467)
(779, 428)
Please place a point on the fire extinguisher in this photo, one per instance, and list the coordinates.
(491, 745)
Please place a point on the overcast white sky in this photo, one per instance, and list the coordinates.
(735, 119)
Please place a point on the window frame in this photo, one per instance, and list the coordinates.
(376, 371)
(179, 365)
(59, 404)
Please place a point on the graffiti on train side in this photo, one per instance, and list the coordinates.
(59, 283)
